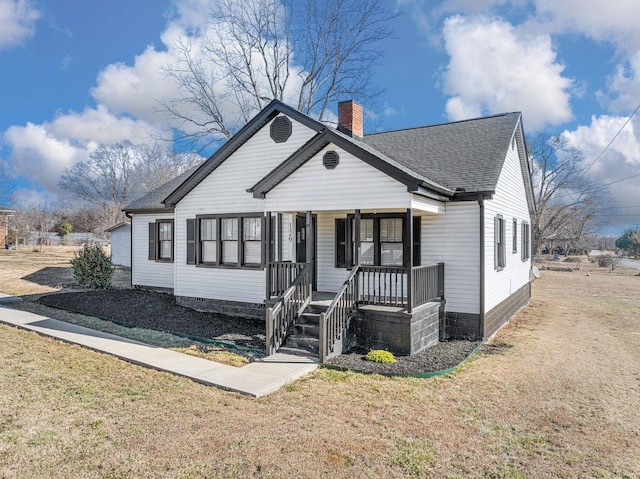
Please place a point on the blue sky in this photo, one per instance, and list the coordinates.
(77, 74)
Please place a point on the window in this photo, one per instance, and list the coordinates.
(367, 243)
(161, 241)
(381, 241)
(514, 234)
(252, 241)
(208, 241)
(500, 257)
(391, 246)
(165, 240)
(526, 245)
(229, 241)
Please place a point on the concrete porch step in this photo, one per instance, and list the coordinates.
(308, 343)
(306, 329)
(297, 351)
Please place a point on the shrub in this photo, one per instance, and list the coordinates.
(604, 261)
(92, 267)
(380, 356)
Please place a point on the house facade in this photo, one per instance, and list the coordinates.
(410, 235)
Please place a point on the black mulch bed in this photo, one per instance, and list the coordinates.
(443, 355)
(146, 309)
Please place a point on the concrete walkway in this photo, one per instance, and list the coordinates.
(256, 379)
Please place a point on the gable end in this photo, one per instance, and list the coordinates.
(225, 151)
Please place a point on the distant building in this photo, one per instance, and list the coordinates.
(120, 244)
(4, 225)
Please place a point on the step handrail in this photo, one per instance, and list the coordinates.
(335, 320)
(287, 308)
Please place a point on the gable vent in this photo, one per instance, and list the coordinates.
(330, 160)
(280, 129)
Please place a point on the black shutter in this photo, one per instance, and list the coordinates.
(341, 243)
(191, 241)
(416, 240)
(152, 241)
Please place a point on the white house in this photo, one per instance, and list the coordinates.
(120, 241)
(412, 235)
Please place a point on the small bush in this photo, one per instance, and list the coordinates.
(604, 261)
(92, 267)
(380, 356)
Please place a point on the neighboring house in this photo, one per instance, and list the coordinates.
(413, 235)
(4, 225)
(120, 241)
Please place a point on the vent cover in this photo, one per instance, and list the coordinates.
(330, 160)
(280, 129)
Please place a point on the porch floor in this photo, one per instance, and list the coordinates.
(323, 299)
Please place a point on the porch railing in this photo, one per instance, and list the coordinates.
(391, 285)
(427, 284)
(280, 275)
(281, 316)
(335, 320)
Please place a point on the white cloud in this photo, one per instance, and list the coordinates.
(40, 156)
(42, 152)
(17, 21)
(601, 20)
(620, 160)
(495, 68)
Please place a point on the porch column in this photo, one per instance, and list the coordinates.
(356, 253)
(310, 242)
(267, 254)
(408, 256)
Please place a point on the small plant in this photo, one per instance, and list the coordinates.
(92, 267)
(380, 356)
(604, 261)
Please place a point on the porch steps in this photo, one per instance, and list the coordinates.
(303, 337)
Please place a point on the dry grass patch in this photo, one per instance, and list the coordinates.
(214, 354)
(558, 399)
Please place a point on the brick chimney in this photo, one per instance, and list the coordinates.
(350, 118)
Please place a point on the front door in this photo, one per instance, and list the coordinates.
(301, 243)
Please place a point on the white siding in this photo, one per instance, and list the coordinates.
(510, 202)
(329, 277)
(146, 272)
(224, 191)
(352, 184)
(120, 240)
(453, 238)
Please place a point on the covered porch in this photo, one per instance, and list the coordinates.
(362, 265)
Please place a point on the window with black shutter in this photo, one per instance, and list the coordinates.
(152, 241)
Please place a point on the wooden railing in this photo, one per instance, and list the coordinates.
(280, 275)
(390, 285)
(427, 284)
(383, 285)
(335, 320)
(281, 316)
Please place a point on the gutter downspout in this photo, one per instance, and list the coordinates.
(482, 264)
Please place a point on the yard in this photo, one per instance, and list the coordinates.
(555, 394)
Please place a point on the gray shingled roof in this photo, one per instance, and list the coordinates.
(465, 154)
(154, 199)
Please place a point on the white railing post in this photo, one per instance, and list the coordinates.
(322, 339)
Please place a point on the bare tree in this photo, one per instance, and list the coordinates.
(571, 205)
(117, 174)
(35, 223)
(156, 166)
(301, 51)
(105, 179)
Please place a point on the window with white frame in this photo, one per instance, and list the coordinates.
(514, 235)
(209, 240)
(500, 256)
(165, 240)
(252, 241)
(526, 241)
